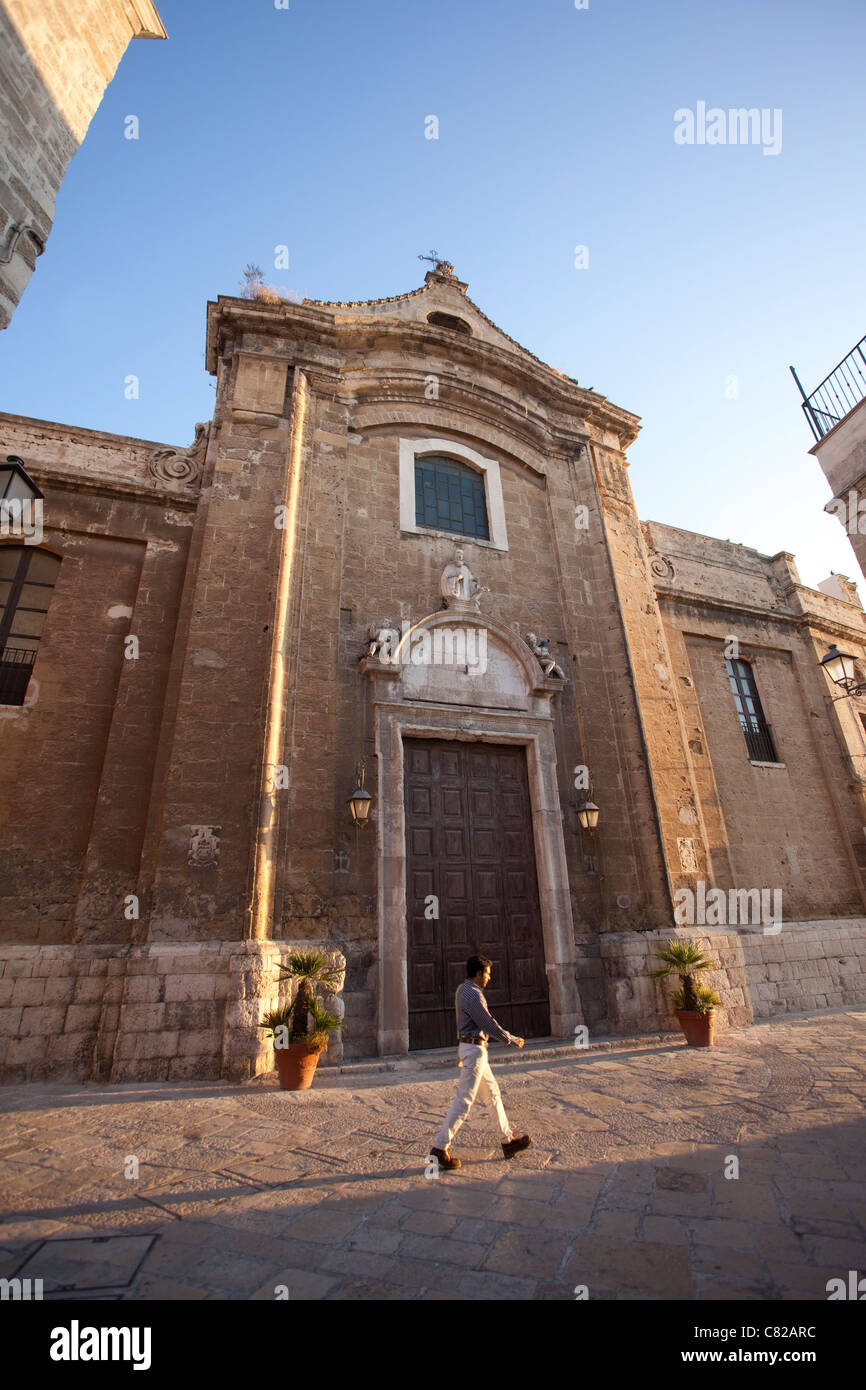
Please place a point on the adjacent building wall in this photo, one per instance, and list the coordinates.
(795, 826)
(56, 60)
(78, 760)
(842, 456)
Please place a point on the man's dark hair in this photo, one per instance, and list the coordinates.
(476, 964)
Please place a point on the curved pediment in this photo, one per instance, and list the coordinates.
(458, 657)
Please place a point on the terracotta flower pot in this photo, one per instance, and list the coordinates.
(698, 1028)
(296, 1065)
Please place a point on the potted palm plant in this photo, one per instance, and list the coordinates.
(301, 1029)
(693, 1004)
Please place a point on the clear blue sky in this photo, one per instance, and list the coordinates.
(305, 127)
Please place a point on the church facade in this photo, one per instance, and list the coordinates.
(402, 560)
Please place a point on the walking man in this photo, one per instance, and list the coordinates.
(474, 1026)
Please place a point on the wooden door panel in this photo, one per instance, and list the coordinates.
(422, 842)
(449, 762)
(484, 845)
(420, 797)
(486, 884)
(454, 843)
(469, 830)
(418, 757)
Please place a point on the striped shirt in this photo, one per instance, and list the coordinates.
(473, 1015)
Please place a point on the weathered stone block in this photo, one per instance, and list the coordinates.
(59, 991)
(141, 1046)
(143, 1018)
(144, 989)
(28, 991)
(190, 1068)
(10, 1021)
(23, 1051)
(162, 1045)
(196, 1044)
(143, 1069)
(73, 1048)
(18, 970)
(80, 1018)
(189, 987)
(46, 1021)
(194, 1015)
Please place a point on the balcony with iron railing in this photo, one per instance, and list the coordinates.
(16, 667)
(838, 393)
(759, 740)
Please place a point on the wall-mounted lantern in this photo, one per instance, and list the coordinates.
(360, 800)
(587, 814)
(840, 668)
(16, 485)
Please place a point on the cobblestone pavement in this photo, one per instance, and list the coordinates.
(242, 1189)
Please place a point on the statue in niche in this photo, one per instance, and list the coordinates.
(546, 659)
(458, 585)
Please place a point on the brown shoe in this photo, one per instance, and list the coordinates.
(515, 1145)
(445, 1160)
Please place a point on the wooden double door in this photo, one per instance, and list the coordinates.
(471, 887)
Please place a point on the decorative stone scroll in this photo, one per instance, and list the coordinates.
(662, 568)
(180, 465)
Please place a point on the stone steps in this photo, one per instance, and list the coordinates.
(538, 1049)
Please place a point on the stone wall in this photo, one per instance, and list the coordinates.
(807, 966)
(149, 1013)
(80, 760)
(794, 825)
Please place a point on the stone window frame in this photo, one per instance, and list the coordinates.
(410, 449)
(13, 692)
(758, 713)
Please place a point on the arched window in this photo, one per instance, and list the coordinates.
(756, 730)
(449, 496)
(449, 321)
(27, 578)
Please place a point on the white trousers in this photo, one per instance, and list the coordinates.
(475, 1076)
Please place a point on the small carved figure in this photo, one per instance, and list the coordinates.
(380, 639)
(546, 659)
(458, 582)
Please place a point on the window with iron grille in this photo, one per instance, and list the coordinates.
(27, 578)
(756, 730)
(449, 496)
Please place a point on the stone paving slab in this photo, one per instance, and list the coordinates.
(215, 1191)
